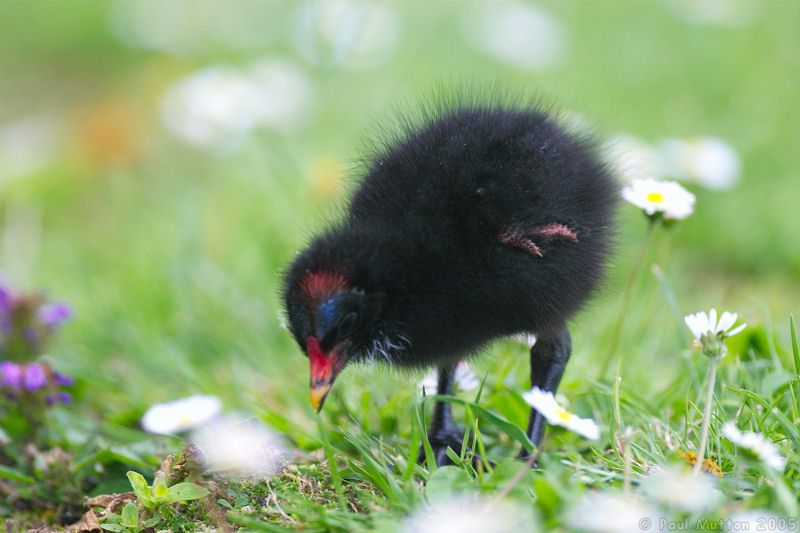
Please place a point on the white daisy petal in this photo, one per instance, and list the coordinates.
(711, 333)
(606, 512)
(545, 403)
(470, 514)
(707, 161)
(522, 35)
(350, 34)
(712, 320)
(756, 444)
(680, 489)
(736, 330)
(181, 415)
(665, 197)
(239, 448)
(218, 106)
(727, 320)
(586, 428)
(693, 322)
(702, 324)
(428, 384)
(465, 377)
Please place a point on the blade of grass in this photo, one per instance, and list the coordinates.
(430, 459)
(795, 349)
(768, 407)
(414, 442)
(479, 444)
(374, 470)
(330, 455)
(252, 524)
(14, 475)
(784, 494)
(501, 423)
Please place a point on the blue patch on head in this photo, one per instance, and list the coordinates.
(327, 314)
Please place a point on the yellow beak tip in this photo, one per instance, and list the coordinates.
(318, 395)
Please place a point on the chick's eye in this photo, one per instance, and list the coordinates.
(348, 323)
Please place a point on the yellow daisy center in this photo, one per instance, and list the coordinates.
(655, 197)
(564, 415)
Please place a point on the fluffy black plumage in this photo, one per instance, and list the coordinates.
(434, 259)
(477, 223)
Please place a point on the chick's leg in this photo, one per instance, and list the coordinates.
(549, 357)
(443, 431)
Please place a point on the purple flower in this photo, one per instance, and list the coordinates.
(5, 310)
(54, 314)
(35, 377)
(63, 380)
(61, 397)
(5, 300)
(10, 375)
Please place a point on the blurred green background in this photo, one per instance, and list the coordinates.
(160, 162)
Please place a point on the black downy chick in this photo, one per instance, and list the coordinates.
(479, 222)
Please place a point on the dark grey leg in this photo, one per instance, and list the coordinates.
(443, 431)
(549, 358)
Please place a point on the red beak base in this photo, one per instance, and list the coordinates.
(323, 369)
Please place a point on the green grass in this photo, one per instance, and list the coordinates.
(172, 257)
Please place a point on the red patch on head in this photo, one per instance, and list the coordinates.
(316, 285)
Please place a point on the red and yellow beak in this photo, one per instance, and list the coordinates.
(324, 368)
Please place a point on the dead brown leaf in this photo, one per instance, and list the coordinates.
(110, 502)
(88, 522)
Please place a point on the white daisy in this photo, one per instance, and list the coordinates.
(546, 404)
(708, 161)
(213, 107)
(603, 512)
(667, 198)
(465, 379)
(239, 448)
(217, 106)
(28, 145)
(181, 415)
(525, 36)
(679, 488)
(705, 326)
(287, 94)
(757, 444)
(471, 514)
(350, 33)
